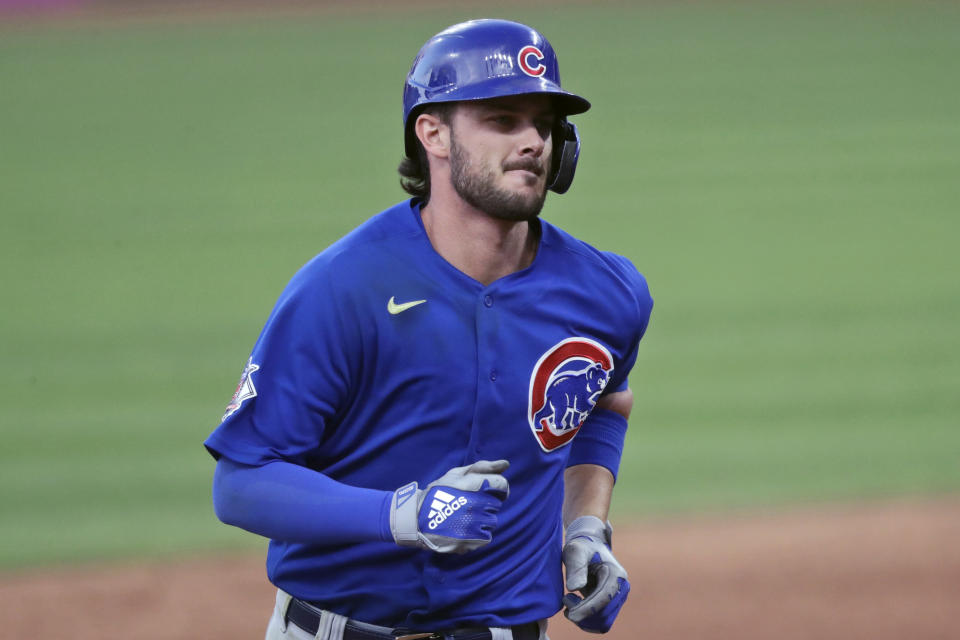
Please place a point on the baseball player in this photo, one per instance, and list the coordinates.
(430, 424)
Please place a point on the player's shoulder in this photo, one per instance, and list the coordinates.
(343, 266)
(610, 272)
(392, 228)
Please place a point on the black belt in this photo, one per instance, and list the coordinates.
(308, 618)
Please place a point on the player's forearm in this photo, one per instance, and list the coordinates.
(284, 501)
(587, 492)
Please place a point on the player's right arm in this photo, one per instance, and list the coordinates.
(301, 372)
(284, 501)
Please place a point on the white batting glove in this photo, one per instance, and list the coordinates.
(595, 573)
(456, 513)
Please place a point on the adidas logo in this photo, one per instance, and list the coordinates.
(443, 506)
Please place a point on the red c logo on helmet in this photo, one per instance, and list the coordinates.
(523, 58)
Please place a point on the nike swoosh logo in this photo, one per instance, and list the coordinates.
(395, 308)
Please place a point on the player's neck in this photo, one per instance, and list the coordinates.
(481, 246)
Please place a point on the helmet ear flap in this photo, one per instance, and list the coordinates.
(566, 153)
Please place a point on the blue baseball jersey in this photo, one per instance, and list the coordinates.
(382, 364)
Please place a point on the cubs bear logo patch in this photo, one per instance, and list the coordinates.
(245, 390)
(564, 387)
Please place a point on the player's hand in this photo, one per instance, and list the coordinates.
(595, 573)
(455, 513)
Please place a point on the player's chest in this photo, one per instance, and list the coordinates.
(540, 355)
(438, 328)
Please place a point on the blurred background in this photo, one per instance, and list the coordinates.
(786, 175)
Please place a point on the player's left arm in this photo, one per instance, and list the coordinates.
(589, 487)
(587, 556)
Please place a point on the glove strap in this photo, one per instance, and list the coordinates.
(591, 527)
(403, 516)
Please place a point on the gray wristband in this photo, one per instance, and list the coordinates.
(591, 527)
(403, 516)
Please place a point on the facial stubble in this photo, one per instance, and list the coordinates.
(477, 186)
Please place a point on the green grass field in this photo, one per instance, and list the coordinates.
(787, 177)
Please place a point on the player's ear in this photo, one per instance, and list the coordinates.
(434, 135)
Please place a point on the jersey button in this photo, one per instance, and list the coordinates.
(493, 375)
(488, 300)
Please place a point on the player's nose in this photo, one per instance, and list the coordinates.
(532, 141)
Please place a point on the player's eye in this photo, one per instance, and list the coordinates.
(545, 126)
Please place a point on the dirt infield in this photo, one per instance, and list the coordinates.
(879, 572)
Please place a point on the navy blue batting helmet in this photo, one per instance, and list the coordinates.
(483, 59)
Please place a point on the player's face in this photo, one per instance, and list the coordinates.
(500, 154)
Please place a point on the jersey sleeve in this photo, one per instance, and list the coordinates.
(296, 380)
(637, 307)
(600, 439)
